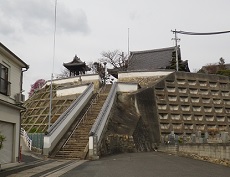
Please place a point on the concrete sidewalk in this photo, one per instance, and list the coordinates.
(27, 157)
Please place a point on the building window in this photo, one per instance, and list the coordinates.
(4, 82)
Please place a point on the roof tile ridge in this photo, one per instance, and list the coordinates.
(153, 50)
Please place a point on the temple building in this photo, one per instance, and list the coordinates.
(76, 67)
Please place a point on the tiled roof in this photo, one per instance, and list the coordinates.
(150, 59)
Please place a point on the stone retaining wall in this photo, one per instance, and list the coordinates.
(217, 150)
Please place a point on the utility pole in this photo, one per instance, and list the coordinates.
(176, 48)
(51, 81)
(128, 42)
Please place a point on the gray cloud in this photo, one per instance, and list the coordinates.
(6, 28)
(33, 16)
(133, 15)
(73, 21)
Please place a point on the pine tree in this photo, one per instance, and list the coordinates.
(182, 65)
(222, 64)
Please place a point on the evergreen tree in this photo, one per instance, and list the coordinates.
(182, 65)
(222, 64)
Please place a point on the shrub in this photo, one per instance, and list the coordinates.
(2, 138)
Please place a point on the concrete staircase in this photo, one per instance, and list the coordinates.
(76, 145)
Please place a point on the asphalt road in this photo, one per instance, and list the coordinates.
(151, 164)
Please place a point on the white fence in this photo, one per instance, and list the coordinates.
(26, 138)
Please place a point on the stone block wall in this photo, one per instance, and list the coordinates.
(185, 103)
(117, 143)
(189, 102)
(217, 151)
(142, 81)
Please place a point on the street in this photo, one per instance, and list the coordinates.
(149, 164)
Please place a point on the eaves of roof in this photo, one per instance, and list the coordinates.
(16, 59)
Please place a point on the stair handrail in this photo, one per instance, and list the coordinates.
(64, 115)
(102, 117)
(26, 138)
(85, 114)
(64, 122)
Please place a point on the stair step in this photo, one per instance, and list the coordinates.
(67, 156)
(84, 141)
(70, 151)
(74, 148)
(78, 140)
(69, 146)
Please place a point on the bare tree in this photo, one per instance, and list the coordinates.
(99, 69)
(116, 58)
(93, 67)
(214, 68)
(64, 74)
(211, 68)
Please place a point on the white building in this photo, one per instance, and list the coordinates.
(11, 74)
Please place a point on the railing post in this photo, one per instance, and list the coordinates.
(90, 146)
(26, 138)
(93, 147)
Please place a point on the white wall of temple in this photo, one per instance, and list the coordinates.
(126, 87)
(71, 90)
(143, 74)
(75, 79)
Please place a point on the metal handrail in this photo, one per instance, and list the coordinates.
(26, 138)
(67, 112)
(85, 115)
(103, 111)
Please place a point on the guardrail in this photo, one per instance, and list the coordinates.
(26, 138)
(62, 124)
(67, 112)
(85, 115)
(99, 125)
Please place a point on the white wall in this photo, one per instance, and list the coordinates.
(71, 90)
(14, 78)
(11, 115)
(126, 87)
(75, 79)
(143, 74)
(9, 112)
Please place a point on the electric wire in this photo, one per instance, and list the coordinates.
(197, 33)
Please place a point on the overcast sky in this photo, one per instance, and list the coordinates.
(88, 27)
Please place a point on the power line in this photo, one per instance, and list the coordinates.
(191, 33)
(197, 33)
